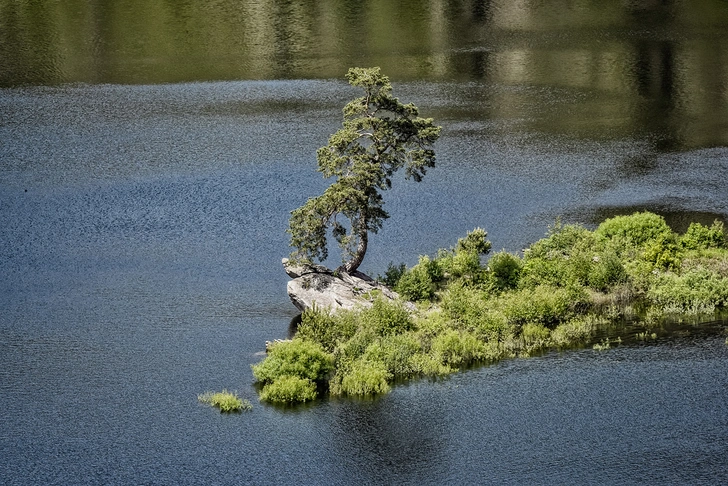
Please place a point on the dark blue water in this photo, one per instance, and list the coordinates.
(141, 231)
(150, 155)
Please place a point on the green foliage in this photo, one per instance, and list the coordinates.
(563, 259)
(226, 401)
(606, 272)
(396, 353)
(505, 270)
(319, 326)
(602, 346)
(577, 330)
(634, 231)
(544, 305)
(663, 252)
(379, 136)
(386, 317)
(700, 237)
(561, 241)
(470, 310)
(570, 287)
(475, 241)
(393, 274)
(459, 263)
(535, 335)
(697, 291)
(458, 348)
(288, 389)
(419, 282)
(366, 378)
(302, 358)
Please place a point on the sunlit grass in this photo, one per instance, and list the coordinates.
(226, 401)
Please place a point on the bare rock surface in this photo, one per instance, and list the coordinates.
(317, 285)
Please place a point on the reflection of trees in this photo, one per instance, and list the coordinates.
(654, 70)
(637, 66)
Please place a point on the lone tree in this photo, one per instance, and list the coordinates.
(379, 136)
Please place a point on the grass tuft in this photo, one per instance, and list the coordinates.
(226, 401)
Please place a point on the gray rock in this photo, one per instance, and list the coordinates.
(335, 290)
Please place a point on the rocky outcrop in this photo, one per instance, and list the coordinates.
(335, 290)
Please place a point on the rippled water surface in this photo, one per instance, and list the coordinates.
(143, 204)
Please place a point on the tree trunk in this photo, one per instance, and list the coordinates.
(361, 247)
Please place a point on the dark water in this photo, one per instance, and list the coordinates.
(150, 153)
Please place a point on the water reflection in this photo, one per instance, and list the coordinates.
(390, 432)
(637, 67)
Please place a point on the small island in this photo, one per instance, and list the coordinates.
(464, 306)
(573, 288)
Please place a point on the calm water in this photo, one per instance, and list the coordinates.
(150, 154)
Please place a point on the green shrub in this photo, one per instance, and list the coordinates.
(386, 317)
(226, 401)
(577, 330)
(561, 241)
(544, 304)
(712, 259)
(635, 230)
(535, 335)
(537, 271)
(366, 378)
(700, 237)
(663, 252)
(505, 270)
(393, 274)
(695, 292)
(419, 283)
(301, 358)
(289, 389)
(428, 365)
(395, 352)
(475, 241)
(463, 261)
(460, 265)
(320, 326)
(469, 310)
(457, 348)
(606, 272)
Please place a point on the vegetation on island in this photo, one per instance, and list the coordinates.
(226, 401)
(568, 289)
(575, 287)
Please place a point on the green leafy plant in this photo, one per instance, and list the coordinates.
(319, 326)
(393, 274)
(698, 236)
(634, 230)
(298, 357)
(458, 348)
(289, 389)
(387, 317)
(419, 282)
(366, 378)
(505, 270)
(226, 401)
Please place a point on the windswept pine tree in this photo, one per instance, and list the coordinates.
(379, 136)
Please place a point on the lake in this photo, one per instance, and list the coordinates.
(150, 155)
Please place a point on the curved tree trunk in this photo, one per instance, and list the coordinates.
(361, 248)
